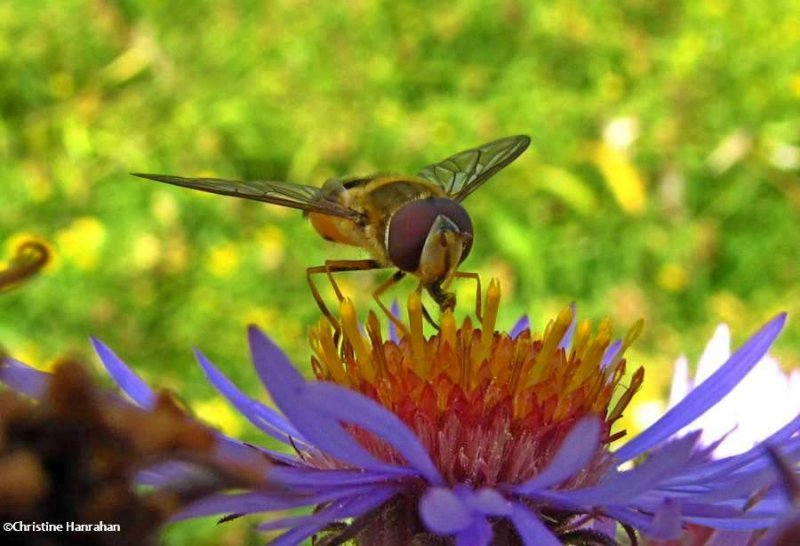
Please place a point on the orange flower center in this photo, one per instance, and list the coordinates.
(488, 407)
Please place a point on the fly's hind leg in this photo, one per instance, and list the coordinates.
(331, 267)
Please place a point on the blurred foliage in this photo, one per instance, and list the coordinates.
(662, 183)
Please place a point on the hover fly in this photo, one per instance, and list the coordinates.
(415, 224)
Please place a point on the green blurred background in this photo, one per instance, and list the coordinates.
(662, 182)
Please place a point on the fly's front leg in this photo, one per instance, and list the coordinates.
(429, 319)
(445, 300)
(331, 267)
(478, 292)
(376, 295)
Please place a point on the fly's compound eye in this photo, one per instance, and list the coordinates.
(410, 225)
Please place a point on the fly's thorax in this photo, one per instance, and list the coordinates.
(377, 197)
(380, 196)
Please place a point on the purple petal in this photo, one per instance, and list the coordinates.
(477, 534)
(531, 530)
(174, 474)
(443, 512)
(130, 383)
(606, 526)
(667, 524)
(611, 353)
(349, 406)
(260, 501)
(734, 486)
(487, 501)
(23, 379)
(731, 538)
(637, 520)
(317, 479)
(351, 507)
(726, 466)
(573, 455)
(265, 418)
(241, 503)
(522, 324)
(165, 473)
(566, 341)
(463, 511)
(741, 524)
(625, 486)
(298, 535)
(734, 478)
(709, 510)
(395, 309)
(294, 398)
(237, 451)
(706, 395)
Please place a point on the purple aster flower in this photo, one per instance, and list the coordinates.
(474, 436)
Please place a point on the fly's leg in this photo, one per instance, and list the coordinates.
(318, 298)
(447, 300)
(376, 295)
(331, 267)
(478, 292)
(428, 318)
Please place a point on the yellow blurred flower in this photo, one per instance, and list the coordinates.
(219, 414)
(272, 245)
(258, 315)
(223, 260)
(673, 277)
(37, 184)
(176, 254)
(146, 251)
(82, 242)
(622, 178)
(30, 353)
(164, 208)
(726, 307)
(141, 54)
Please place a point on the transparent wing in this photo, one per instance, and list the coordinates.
(308, 198)
(463, 173)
